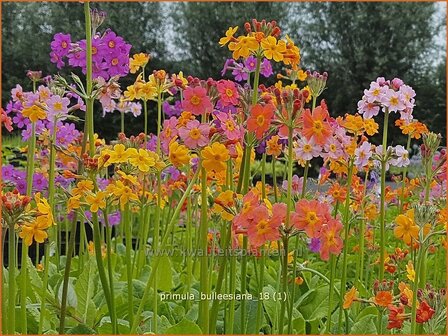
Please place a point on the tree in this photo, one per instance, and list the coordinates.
(358, 42)
(199, 26)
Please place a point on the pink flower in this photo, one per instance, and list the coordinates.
(363, 154)
(196, 101)
(17, 93)
(228, 125)
(401, 157)
(57, 107)
(195, 134)
(307, 149)
(333, 149)
(374, 93)
(227, 92)
(367, 109)
(393, 100)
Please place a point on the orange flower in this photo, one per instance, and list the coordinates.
(260, 119)
(315, 125)
(396, 317)
(337, 192)
(349, 297)
(273, 146)
(383, 298)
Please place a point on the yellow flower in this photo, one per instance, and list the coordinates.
(406, 228)
(141, 159)
(137, 61)
(124, 193)
(370, 126)
(73, 203)
(243, 46)
(229, 36)
(223, 203)
(273, 49)
(119, 154)
(273, 146)
(354, 124)
(301, 75)
(131, 93)
(97, 201)
(180, 77)
(410, 271)
(35, 231)
(307, 88)
(82, 187)
(214, 157)
(179, 154)
(34, 113)
(129, 178)
(146, 91)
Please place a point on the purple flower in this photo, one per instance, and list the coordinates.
(314, 245)
(102, 183)
(56, 59)
(172, 172)
(8, 172)
(20, 120)
(61, 44)
(251, 63)
(77, 58)
(62, 181)
(266, 68)
(114, 218)
(66, 133)
(172, 110)
(229, 62)
(240, 73)
(40, 183)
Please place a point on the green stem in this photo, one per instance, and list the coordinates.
(259, 318)
(12, 279)
(405, 171)
(156, 260)
(44, 288)
(274, 179)
(420, 260)
(122, 122)
(155, 241)
(305, 178)
(113, 313)
(345, 250)
(383, 196)
(204, 288)
(263, 176)
(128, 233)
(330, 294)
(360, 264)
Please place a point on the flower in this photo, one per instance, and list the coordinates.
(123, 192)
(119, 155)
(260, 119)
(214, 157)
(223, 202)
(396, 317)
(383, 298)
(35, 231)
(34, 113)
(273, 146)
(273, 49)
(137, 61)
(363, 154)
(406, 228)
(61, 44)
(401, 158)
(330, 239)
(264, 227)
(410, 271)
(97, 201)
(227, 92)
(315, 126)
(393, 100)
(178, 154)
(306, 150)
(196, 101)
(229, 126)
(424, 312)
(309, 216)
(57, 106)
(195, 134)
(229, 36)
(141, 159)
(368, 109)
(243, 46)
(349, 297)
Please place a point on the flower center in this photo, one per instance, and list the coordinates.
(229, 93)
(195, 100)
(311, 218)
(307, 148)
(111, 44)
(260, 120)
(57, 106)
(195, 134)
(64, 44)
(229, 125)
(114, 61)
(393, 100)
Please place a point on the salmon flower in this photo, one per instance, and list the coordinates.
(330, 240)
(260, 119)
(309, 216)
(228, 93)
(196, 101)
(315, 125)
(265, 227)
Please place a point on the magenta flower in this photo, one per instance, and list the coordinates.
(195, 134)
(250, 63)
(61, 44)
(266, 68)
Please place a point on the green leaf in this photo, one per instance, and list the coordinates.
(72, 300)
(364, 326)
(85, 289)
(164, 274)
(316, 308)
(366, 312)
(81, 329)
(185, 327)
(251, 315)
(270, 305)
